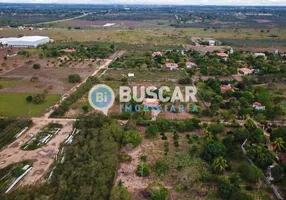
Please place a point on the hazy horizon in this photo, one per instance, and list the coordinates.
(160, 2)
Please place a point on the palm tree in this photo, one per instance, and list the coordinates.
(220, 164)
(278, 143)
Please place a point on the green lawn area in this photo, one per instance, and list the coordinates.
(15, 105)
(11, 83)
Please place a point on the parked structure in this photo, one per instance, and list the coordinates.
(26, 41)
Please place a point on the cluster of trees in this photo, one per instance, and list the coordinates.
(37, 98)
(139, 59)
(83, 50)
(65, 105)
(9, 128)
(239, 103)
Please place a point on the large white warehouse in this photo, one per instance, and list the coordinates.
(25, 41)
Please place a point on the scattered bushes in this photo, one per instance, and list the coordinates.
(74, 78)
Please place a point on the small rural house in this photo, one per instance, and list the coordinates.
(258, 106)
(171, 66)
(190, 65)
(245, 71)
(225, 88)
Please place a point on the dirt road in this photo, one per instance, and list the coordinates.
(43, 157)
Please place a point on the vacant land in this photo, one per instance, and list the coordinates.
(14, 104)
(153, 36)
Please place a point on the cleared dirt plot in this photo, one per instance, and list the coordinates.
(55, 79)
(41, 158)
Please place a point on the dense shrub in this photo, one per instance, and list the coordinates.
(74, 78)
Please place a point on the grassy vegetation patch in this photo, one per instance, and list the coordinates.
(15, 105)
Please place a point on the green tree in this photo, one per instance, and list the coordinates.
(39, 98)
(161, 167)
(225, 189)
(131, 137)
(29, 99)
(212, 150)
(151, 131)
(250, 172)
(219, 164)
(120, 193)
(74, 78)
(157, 191)
(36, 66)
(249, 124)
(277, 173)
(85, 108)
(261, 156)
(278, 143)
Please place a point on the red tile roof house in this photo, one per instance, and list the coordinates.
(67, 50)
(258, 106)
(157, 53)
(190, 64)
(245, 71)
(151, 102)
(225, 88)
(171, 66)
(222, 55)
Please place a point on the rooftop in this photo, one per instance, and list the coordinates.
(24, 38)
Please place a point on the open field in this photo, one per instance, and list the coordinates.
(14, 104)
(100, 23)
(55, 79)
(156, 75)
(154, 36)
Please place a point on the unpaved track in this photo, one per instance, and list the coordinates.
(45, 156)
(13, 153)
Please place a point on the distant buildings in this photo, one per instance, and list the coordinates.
(245, 71)
(259, 54)
(211, 42)
(171, 66)
(258, 106)
(68, 50)
(190, 65)
(226, 88)
(224, 55)
(157, 53)
(26, 41)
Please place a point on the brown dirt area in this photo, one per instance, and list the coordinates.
(41, 163)
(55, 79)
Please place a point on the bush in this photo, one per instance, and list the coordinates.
(151, 131)
(39, 98)
(158, 191)
(143, 170)
(120, 193)
(161, 167)
(131, 137)
(36, 66)
(29, 99)
(225, 189)
(212, 150)
(74, 78)
(240, 196)
(85, 108)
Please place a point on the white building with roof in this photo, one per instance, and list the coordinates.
(25, 41)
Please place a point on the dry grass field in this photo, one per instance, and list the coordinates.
(148, 36)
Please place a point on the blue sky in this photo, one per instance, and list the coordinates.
(163, 2)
